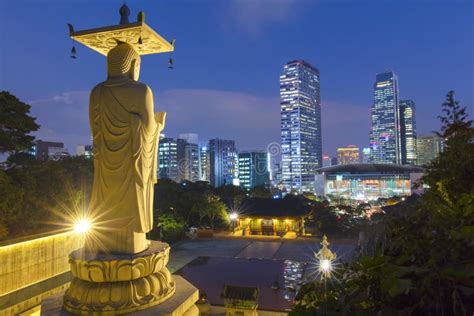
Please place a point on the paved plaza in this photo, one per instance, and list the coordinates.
(185, 251)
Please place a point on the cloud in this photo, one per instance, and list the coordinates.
(252, 121)
(63, 118)
(253, 16)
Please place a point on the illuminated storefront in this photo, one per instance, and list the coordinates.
(367, 182)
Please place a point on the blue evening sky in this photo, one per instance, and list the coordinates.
(229, 55)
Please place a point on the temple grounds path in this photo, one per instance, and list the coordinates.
(185, 251)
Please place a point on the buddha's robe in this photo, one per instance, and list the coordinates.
(125, 134)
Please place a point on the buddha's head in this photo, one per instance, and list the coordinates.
(123, 61)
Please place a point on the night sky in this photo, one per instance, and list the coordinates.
(229, 56)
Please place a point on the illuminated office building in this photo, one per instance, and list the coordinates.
(223, 162)
(366, 155)
(188, 160)
(385, 138)
(348, 155)
(300, 125)
(254, 169)
(204, 166)
(168, 159)
(326, 161)
(408, 131)
(428, 148)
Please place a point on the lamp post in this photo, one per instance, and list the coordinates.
(82, 226)
(325, 257)
(233, 217)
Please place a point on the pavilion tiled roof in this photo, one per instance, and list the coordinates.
(267, 207)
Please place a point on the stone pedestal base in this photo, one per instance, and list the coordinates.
(113, 284)
(181, 303)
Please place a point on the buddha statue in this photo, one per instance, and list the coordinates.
(125, 133)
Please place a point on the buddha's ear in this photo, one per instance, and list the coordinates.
(132, 72)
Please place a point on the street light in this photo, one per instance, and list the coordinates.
(325, 257)
(325, 266)
(82, 226)
(233, 217)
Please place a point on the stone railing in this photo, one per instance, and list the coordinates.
(29, 261)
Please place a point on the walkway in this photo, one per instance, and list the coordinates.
(185, 251)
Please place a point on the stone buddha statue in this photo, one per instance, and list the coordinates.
(125, 133)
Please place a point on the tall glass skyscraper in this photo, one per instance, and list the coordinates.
(301, 147)
(385, 138)
(408, 131)
(428, 148)
(223, 162)
(254, 169)
(168, 159)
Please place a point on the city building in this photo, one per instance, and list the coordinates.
(367, 182)
(408, 131)
(254, 169)
(44, 150)
(428, 148)
(191, 138)
(168, 159)
(326, 161)
(366, 155)
(276, 175)
(223, 162)
(300, 125)
(204, 164)
(334, 161)
(348, 155)
(385, 138)
(84, 150)
(188, 160)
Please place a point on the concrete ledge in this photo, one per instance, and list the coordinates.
(181, 303)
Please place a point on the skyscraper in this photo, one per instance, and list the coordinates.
(408, 131)
(168, 159)
(253, 169)
(188, 160)
(385, 138)
(366, 155)
(204, 163)
(300, 125)
(428, 148)
(223, 162)
(348, 155)
(326, 161)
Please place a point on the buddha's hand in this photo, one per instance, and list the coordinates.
(160, 120)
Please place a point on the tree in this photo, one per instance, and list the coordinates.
(261, 192)
(170, 227)
(43, 195)
(424, 265)
(15, 124)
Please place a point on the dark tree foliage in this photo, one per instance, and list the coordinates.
(39, 196)
(15, 124)
(424, 264)
(181, 205)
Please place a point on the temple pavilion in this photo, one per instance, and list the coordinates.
(267, 216)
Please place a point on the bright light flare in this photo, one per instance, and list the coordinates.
(82, 226)
(325, 266)
(233, 216)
